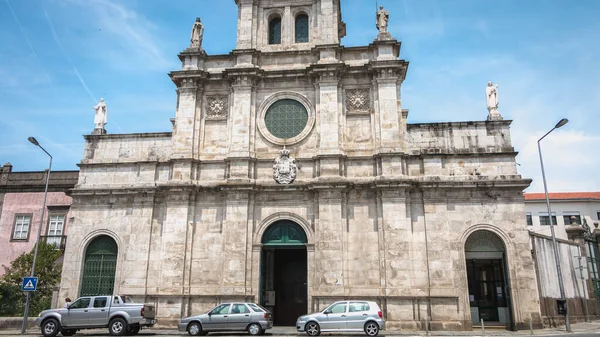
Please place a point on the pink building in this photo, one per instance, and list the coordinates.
(21, 199)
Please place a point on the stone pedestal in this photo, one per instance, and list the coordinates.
(99, 131)
(494, 115)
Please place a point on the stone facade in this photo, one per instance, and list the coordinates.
(386, 206)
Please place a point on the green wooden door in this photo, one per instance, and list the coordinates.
(99, 267)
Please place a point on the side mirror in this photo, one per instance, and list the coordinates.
(210, 313)
(327, 312)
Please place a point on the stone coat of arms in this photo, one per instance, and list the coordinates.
(284, 169)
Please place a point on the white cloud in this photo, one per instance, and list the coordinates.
(124, 38)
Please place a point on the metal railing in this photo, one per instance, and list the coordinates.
(59, 241)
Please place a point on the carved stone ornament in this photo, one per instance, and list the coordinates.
(284, 169)
(216, 107)
(358, 100)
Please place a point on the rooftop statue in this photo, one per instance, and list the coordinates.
(197, 33)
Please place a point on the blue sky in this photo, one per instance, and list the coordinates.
(58, 57)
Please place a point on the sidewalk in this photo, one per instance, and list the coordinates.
(577, 328)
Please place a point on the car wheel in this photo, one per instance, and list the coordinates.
(312, 329)
(133, 330)
(68, 332)
(117, 327)
(194, 329)
(371, 329)
(50, 327)
(255, 329)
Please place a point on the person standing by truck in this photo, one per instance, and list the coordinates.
(67, 302)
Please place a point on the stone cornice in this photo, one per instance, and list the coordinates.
(196, 76)
(327, 72)
(389, 69)
(505, 122)
(130, 135)
(321, 183)
(243, 76)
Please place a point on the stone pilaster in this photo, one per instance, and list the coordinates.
(235, 243)
(242, 119)
(330, 236)
(329, 114)
(246, 13)
(388, 76)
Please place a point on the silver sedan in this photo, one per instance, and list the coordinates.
(344, 316)
(237, 316)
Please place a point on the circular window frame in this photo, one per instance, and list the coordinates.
(266, 104)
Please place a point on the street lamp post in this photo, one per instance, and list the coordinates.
(37, 243)
(561, 123)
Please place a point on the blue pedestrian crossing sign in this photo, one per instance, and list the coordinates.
(29, 284)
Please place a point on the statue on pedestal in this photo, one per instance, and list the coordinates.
(382, 18)
(100, 117)
(197, 33)
(491, 97)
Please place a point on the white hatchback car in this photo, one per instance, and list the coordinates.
(344, 316)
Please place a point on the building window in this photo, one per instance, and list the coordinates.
(56, 225)
(598, 215)
(286, 118)
(275, 31)
(545, 221)
(567, 218)
(529, 219)
(22, 224)
(301, 28)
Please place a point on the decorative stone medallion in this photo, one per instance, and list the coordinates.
(216, 107)
(284, 169)
(358, 100)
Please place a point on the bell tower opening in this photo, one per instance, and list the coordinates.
(284, 272)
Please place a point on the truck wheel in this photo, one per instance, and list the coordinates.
(194, 329)
(68, 332)
(50, 327)
(255, 329)
(133, 330)
(117, 327)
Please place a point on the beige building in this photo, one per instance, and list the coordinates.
(292, 178)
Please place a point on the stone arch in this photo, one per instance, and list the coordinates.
(486, 247)
(99, 266)
(491, 228)
(268, 221)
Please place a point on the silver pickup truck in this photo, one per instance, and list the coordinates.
(91, 312)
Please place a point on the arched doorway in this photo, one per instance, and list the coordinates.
(99, 267)
(283, 274)
(487, 275)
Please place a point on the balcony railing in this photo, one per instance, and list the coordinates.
(59, 241)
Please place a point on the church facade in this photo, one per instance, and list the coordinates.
(292, 179)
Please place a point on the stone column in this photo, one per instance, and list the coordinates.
(576, 233)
